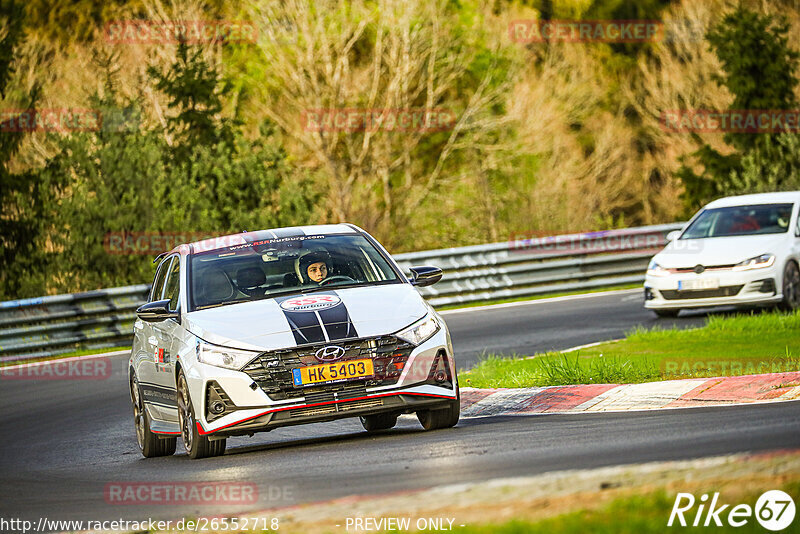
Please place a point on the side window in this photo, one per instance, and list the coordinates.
(174, 283)
(797, 226)
(158, 282)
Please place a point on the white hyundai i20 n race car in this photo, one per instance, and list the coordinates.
(260, 330)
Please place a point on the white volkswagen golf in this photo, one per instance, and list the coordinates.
(259, 330)
(741, 250)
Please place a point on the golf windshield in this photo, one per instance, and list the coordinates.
(269, 267)
(740, 220)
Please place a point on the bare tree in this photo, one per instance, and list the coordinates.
(385, 56)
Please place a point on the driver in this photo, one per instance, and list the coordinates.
(314, 267)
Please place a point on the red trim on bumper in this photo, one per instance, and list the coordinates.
(203, 432)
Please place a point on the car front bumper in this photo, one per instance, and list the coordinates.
(254, 411)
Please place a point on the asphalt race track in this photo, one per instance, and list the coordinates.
(554, 324)
(64, 441)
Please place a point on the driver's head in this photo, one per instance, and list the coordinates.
(314, 267)
(317, 272)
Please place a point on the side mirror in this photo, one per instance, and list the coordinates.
(154, 312)
(425, 276)
(673, 235)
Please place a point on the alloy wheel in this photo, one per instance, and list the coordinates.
(185, 413)
(138, 413)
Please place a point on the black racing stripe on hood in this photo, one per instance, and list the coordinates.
(307, 325)
(304, 324)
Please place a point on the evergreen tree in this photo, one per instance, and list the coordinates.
(24, 202)
(759, 70)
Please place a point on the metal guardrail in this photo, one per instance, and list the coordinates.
(47, 326)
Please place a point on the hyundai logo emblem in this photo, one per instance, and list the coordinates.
(699, 269)
(329, 354)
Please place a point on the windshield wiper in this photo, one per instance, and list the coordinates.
(209, 306)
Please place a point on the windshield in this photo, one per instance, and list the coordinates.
(296, 264)
(740, 220)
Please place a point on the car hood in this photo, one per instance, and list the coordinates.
(717, 250)
(288, 321)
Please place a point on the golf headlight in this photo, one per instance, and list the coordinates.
(420, 331)
(655, 269)
(223, 356)
(759, 262)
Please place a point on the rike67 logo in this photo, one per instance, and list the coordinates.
(774, 510)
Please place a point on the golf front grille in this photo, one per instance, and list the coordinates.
(727, 291)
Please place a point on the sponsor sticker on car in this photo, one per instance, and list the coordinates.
(310, 303)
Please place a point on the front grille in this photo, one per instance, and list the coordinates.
(272, 370)
(334, 408)
(314, 410)
(726, 267)
(360, 405)
(727, 291)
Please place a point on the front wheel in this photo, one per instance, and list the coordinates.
(149, 443)
(196, 445)
(379, 421)
(442, 417)
(791, 287)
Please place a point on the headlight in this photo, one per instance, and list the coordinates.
(420, 331)
(223, 357)
(759, 262)
(655, 269)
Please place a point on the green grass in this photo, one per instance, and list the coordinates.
(536, 297)
(641, 514)
(726, 346)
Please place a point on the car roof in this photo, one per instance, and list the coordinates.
(759, 198)
(242, 238)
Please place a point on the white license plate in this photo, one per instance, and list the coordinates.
(700, 283)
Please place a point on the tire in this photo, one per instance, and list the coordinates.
(150, 444)
(791, 287)
(665, 314)
(379, 421)
(442, 417)
(196, 445)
